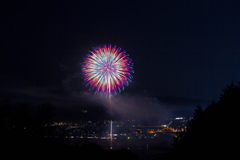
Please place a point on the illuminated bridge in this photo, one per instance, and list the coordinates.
(156, 129)
(168, 130)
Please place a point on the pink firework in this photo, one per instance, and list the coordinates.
(107, 70)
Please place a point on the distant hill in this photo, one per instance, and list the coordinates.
(181, 100)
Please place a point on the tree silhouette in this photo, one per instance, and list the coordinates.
(211, 132)
(24, 125)
(43, 119)
(4, 115)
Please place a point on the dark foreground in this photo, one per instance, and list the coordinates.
(52, 149)
(87, 149)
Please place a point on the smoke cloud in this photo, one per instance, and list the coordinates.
(140, 106)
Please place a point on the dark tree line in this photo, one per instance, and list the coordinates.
(27, 132)
(22, 123)
(213, 132)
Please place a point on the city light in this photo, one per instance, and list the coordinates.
(123, 130)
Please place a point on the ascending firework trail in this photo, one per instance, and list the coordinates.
(107, 70)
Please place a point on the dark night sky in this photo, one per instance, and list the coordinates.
(185, 50)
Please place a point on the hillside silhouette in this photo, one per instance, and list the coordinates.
(212, 133)
(27, 132)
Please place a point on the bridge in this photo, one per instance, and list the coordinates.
(168, 130)
(156, 129)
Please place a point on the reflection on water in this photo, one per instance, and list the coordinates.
(160, 144)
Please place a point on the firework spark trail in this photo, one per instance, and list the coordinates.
(107, 70)
(111, 123)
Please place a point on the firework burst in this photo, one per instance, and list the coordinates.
(107, 70)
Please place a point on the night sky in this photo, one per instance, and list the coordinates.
(183, 53)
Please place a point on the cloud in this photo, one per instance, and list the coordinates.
(39, 95)
(126, 104)
(130, 105)
(142, 106)
(65, 67)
